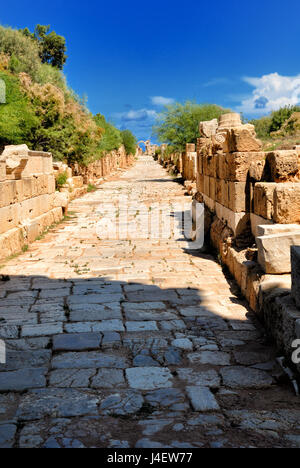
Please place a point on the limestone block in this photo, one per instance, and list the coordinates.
(60, 199)
(295, 259)
(222, 166)
(225, 193)
(270, 229)
(208, 128)
(190, 147)
(287, 203)
(238, 164)
(2, 171)
(39, 163)
(237, 222)
(200, 182)
(257, 221)
(209, 203)
(257, 170)
(212, 188)
(207, 163)
(229, 120)
(206, 185)
(283, 164)
(16, 158)
(264, 199)
(274, 251)
(78, 181)
(243, 139)
(237, 196)
(11, 242)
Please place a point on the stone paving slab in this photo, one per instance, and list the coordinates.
(134, 342)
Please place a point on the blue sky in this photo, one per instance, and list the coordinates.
(130, 57)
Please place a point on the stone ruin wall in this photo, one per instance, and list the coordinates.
(29, 201)
(105, 166)
(28, 204)
(252, 216)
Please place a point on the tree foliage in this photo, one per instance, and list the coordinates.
(52, 47)
(178, 123)
(129, 141)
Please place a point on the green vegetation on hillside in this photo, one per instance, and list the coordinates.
(41, 110)
(178, 124)
(280, 129)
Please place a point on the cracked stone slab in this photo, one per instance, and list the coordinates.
(202, 399)
(95, 312)
(139, 315)
(88, 360)
(149, 378)
(76, 341)
(108, 378)
(71, 378)
(171, 398)
(61, 403)
(204, 378)
(245, 377)
(122, 403)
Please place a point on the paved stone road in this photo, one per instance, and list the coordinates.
(134, 343)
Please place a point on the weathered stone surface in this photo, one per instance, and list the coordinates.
(295, 256)
(205, 378)
(108, 378)
(62, 403)
(183, 343)
(245, 377)
(274, 251)
(216, 358)
(25, 359)
(242, 139)
(208, 128)
(122, 404)
(283, 164)
(238, 164)
(202, 399)
(287, 203)
(149, 378)
(141, 326)
(44, 329)
(86, 360)
(22, 379)
(76, 341)
(7, 435)
(71, 378)
(92, 312)
(171, 397)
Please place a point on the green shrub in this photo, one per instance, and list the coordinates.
(18, 121)
(23, 51)
(262, 127)
(91, 188)
(129, 141)
(61, 179)
(280, 116)
(178, 124)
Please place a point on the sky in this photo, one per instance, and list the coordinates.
(132, 57)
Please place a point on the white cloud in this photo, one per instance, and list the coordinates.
(161, 100)
(137, 115)
(217, 82)
(271, 92)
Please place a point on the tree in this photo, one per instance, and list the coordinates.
(52, 47)
(129, 141)
(280, 116)
(178, 123)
